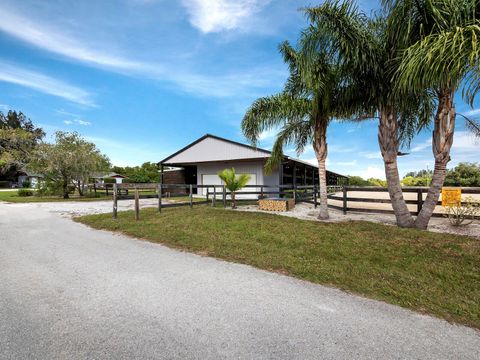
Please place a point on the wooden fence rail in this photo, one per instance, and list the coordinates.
(345, 199)
(303, 193)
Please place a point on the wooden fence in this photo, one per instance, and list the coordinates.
(306, 193)
(418, 201)
(213, 194)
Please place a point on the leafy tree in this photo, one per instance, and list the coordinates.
(442, 56)
(464, 174)
(357, 181)
(377, 182)
(18, 137)
(366, 48)
(71, 160)
(313, 96)
(233, 182)
(146, 173)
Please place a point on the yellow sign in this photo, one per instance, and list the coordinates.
(451, 197)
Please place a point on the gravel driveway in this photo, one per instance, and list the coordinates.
(70, 292)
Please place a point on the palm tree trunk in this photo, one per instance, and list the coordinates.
(234, 205)
(321, 151)
(388, 141)
(442, 140)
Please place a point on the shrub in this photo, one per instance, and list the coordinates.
(25, 192)
(466, 211)
(26, 184)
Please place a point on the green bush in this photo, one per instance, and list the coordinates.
(25, 192)
(26, 184)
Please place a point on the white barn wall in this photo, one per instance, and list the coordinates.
(255, 167)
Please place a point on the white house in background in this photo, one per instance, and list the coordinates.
(200, 162)
(100, 178)
(28, 177)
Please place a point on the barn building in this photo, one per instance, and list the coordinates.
(199, 163)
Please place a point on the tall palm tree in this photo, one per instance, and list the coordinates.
(363, 46)
(304, 109)
(444, 56)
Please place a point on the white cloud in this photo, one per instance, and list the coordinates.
(77, 121)
(218, 15)
(267, 134)
(59, 42)
(465, 141)
(373, 172)
(472, 113)
(4, 107)
(371, 154)
(45, 84)
(347, 163)
(422, 146)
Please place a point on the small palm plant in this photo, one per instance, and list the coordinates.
(233, 182)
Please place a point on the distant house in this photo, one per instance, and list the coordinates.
(28, 177)
(200, 162)
(100, 177)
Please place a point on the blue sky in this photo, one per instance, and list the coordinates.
(142, 78)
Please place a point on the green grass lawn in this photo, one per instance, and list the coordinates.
(428, 272)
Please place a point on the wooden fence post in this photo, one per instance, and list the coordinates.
(261, 192)
(191, 195)
(344, 200)
(95, 189)
(160, 197)
(295, 193)
(114, 201)
(137, 205)
(214, 195)
(106, 188)
(419, 200)
(315, 195)
(224, 196)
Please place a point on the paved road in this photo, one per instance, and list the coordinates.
(69, 292)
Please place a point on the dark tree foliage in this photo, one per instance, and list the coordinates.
(464, 174)
(146, 173)
(18, 138)
(18, 120)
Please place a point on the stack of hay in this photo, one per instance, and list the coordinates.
(276, 204)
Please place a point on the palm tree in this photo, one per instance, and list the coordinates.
(233, 182)
(444, 55)
(309, 101)
(364, 46)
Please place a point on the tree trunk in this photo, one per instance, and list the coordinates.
(389, 143)
(80, 187)
(65, 188)
(320, 148)
(234, 205)
(442, 140)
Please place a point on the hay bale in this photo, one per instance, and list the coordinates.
(276, 204)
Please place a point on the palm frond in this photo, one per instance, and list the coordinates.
(271, 112)
(298, 133)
